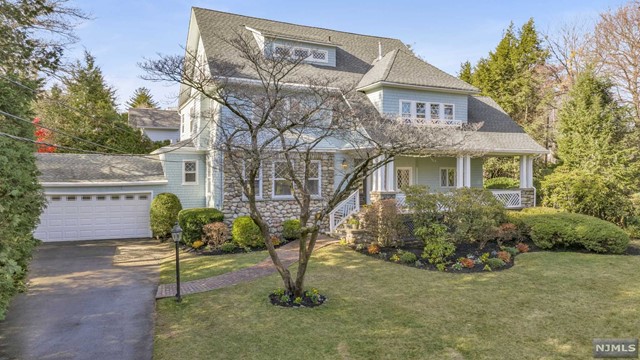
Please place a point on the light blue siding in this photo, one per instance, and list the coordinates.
(391, 100)
(426, 170)
(329, 49)
(190, 195)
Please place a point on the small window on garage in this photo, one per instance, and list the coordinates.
(115, 197)
(130, 197)
(100, 198)
(71, 198)
(56, 198)
(86, 197)
(189, 172)
(142, 197)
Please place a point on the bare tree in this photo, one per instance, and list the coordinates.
(277, 112)
(617, 46)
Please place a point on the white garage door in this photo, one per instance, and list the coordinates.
(94, 217)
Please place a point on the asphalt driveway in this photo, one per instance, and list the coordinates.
(86, 300)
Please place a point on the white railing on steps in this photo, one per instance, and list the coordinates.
(342, 211)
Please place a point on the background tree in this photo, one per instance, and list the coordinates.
(85, 106)
(275, 121)
(142, 99)
(598, 169)
(515, 76)
(616, 41)
(24, 55)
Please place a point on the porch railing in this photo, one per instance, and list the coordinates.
(342, 211)
(429, 122)
(511, 199)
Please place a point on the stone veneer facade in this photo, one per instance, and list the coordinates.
(527, 197)
(274, 211)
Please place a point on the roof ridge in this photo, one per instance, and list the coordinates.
(290, 23)
(391, 63)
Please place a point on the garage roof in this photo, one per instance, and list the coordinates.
(95, 168)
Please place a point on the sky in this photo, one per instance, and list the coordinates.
(121, 34)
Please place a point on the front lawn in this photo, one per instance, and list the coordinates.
(551, 305)
(193, 267)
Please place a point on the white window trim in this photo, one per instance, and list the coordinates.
(440, 177)
(260, 181)
(309, 58)
(184, 172)
(273, 182)
(427, 109)
(319, 194)
(410, 174)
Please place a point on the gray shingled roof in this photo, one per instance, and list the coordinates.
(497, 132)
(354, 52)
(402, 67)
(93, 168)
(154, 119)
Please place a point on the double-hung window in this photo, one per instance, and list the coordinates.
(282, 186)
(314, 182)
(257, 182)
(448, 112)
(421, 110)
(405, 109)
(189, 172)
(435, 111)
(447, 177)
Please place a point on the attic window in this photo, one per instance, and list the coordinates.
(307, 54)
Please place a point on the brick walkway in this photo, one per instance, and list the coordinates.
(288, 255)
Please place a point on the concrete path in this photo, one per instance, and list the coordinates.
(288, 255)
(86, 300)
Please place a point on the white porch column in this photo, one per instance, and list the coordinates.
(390, 176)
(523, 172)
(529, 171)
(379, 180)
(374, 177)
(467, 171)
(460, 171)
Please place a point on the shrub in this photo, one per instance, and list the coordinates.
(197, 244)
(246, 233)
(466, 262)
(275, 240)
(504, 256)
(228, 247)
(384, 221)
(507, 232)
(495, 263)
(471, 215)
(164, 214)
(193, 220)
(563, 229)
(501, 183)
(408, 257)
(215, 234)
(291, 229)
(588, 193)
(522, 247)
(511, 250)
(373, 249)
(437, 245)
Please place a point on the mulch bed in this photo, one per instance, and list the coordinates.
(462, 251)
(306, 300)
(214, 252)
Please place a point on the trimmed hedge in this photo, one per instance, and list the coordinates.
(550, 228)
(164, 214)
(246, 233)
(192, 220)
(291, 229)
(501, 183)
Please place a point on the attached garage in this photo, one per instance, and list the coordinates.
(70, 217)
(97, 197)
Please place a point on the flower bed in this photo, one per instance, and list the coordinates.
(310, 298)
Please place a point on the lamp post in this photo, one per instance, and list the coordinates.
(176, 234)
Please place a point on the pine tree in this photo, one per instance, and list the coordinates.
(142, 99)
(465, 73)
(85, 107)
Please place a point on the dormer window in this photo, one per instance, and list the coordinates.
(299, 52)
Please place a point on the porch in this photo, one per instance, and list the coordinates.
(440, 174)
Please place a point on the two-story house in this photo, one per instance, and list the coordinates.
(394, 80)
(111, 195)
